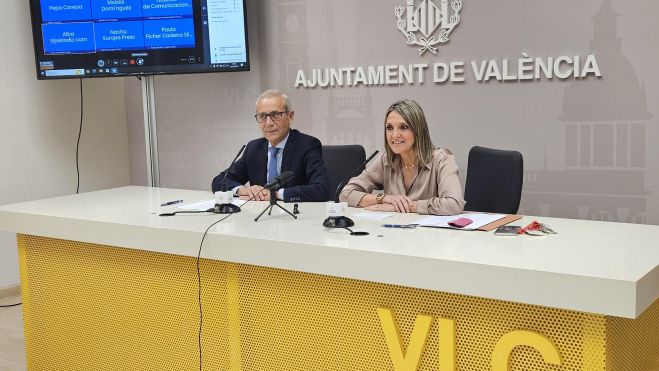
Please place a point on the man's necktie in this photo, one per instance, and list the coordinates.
(272, 165)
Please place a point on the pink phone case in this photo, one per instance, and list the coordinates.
(460, 222)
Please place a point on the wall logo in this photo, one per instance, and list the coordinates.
(427, 23)
(425, 20)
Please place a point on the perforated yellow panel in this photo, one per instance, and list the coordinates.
(94, 307)
(634, 344)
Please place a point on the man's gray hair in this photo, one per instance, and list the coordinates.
(272, 93)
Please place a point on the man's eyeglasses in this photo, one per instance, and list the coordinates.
(261, 118)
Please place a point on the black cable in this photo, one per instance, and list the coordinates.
(187, 212)
(78, 144)
(10, 305)
(201, 316)
(356, 233)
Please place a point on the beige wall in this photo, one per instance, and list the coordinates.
(589, 146)
(39, 129)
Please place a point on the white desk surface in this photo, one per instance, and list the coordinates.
(598, 267)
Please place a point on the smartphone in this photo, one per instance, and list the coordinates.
(507, 230)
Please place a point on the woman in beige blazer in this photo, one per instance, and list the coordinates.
(413, 176)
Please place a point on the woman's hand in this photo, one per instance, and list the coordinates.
(401, 204)
(381, 207)
(394, 203)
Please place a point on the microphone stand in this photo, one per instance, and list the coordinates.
(344, 221)
(273, 203)
(228, 208)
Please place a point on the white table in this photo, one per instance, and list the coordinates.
(595, 268)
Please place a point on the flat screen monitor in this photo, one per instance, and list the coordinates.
(104, 38)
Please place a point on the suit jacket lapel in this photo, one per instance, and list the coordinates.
(289, 151)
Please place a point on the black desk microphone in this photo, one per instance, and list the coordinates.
(228, 208)
(344, 221)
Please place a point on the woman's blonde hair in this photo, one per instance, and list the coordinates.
(414, 117)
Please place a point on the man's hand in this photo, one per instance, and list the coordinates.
(256, 191)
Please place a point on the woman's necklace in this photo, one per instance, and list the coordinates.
(409, 176)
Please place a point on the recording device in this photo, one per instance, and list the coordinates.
(274, 185)
(281, 179)
(344, 221)
(226, 207)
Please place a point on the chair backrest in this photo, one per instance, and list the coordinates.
(340, 161)
(494, 180)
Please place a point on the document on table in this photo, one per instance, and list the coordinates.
(478, 220)
(372, 215)
(204, 205)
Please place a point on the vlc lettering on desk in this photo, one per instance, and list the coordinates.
(410, 359)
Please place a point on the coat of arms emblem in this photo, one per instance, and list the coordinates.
(427, 19)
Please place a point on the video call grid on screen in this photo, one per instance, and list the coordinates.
(90, 26)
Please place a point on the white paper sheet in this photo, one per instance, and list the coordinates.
(207, 204)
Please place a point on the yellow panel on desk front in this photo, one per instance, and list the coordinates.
(94, 307)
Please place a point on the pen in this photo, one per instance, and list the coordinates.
(171, 203)
(400, 225)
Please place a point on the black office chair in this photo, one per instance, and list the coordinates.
(340, 161)
(494, 180)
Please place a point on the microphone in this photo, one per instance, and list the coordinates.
(344, 221)
(226, 207)
(274, 185)
(223, 188)
(351, 174)
(279, 181)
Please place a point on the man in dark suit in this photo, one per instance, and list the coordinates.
(281, 149)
